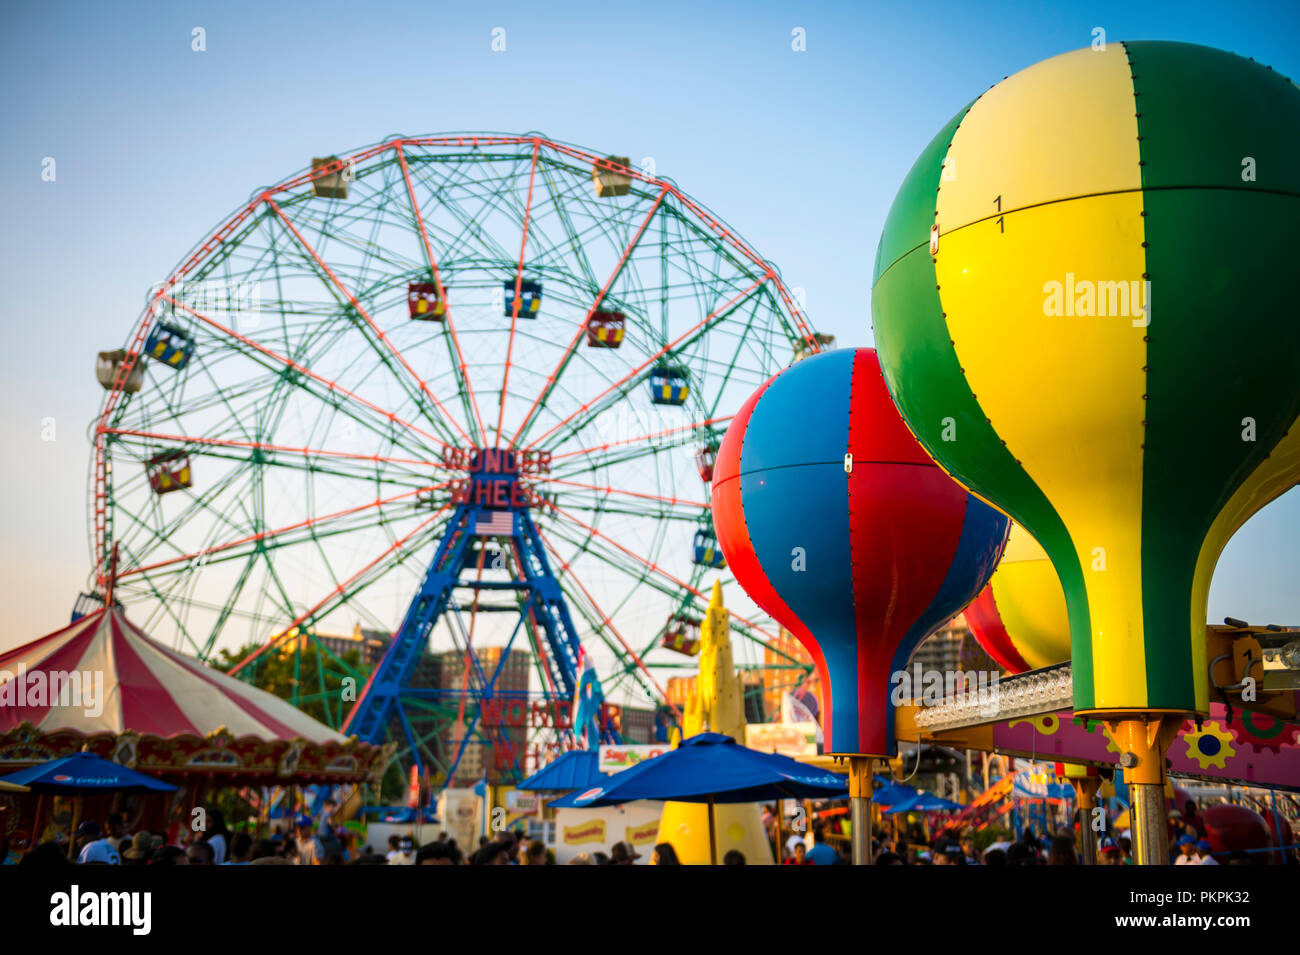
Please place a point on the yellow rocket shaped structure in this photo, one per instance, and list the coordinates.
(718, 706)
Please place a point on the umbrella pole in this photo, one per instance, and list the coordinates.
(780, 807)
(36, 823)
(860, 787)
(713, 836)
(72, 829)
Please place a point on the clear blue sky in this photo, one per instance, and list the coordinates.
(800, 151)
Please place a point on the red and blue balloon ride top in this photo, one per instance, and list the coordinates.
(838, 524)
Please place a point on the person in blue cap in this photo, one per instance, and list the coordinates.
(1205, 853)
(1187, 852)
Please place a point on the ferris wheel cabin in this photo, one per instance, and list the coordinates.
(669, 385)
(169, 344)
(423, 302)
(529, 302)
(605, 329)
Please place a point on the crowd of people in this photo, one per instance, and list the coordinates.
(319, 841)
(828, 844)
(323, 841)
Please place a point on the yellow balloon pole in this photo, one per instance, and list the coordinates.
(1142, 741)
(860, 791)
(1086, 788)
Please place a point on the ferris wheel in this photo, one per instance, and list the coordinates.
(472, 359)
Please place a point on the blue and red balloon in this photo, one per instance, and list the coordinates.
(860, 557)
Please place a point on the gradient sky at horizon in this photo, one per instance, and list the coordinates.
(801, 152)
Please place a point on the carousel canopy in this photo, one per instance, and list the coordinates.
(103, 674)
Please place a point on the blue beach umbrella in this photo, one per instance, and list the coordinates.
(712, 768)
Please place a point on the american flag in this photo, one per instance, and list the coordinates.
(495, 524)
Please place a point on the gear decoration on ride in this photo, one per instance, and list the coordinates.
(1047, 322)
(838, 524)
(1019, 618)
(1047, 723)
(1262, 731)
(1211, 745)
(351, 361)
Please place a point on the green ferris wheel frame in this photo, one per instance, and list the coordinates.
(302, 382)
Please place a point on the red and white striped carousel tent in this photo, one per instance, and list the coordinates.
(146, 687)
(134, 700)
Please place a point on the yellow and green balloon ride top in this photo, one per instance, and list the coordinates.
(1131, 443)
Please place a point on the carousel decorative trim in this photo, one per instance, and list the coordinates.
(233, 760)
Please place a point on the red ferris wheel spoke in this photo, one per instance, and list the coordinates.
(379, 333)
(582, 326)
(518, 299)
(693, 426)
(337, 591)
(267, 446)
(608, 623)
(655, 568)
(699, 326)
(306, 524)
(609, 489)
(333, 386)
(442, 292)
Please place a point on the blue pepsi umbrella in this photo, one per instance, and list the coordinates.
(712, 768)
(85, 773)
(891, 794)
(577, 769)
(925, 802)
(400, 814)
(82, 773)
(567, 801)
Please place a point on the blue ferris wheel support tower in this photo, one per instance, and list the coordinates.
(491, 506)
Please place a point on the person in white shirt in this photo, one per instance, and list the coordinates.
(1187, 852)
(1205, 853)
(394, 848)
(97, 848)
(99, 851)
(306, 842)
(406, 852)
